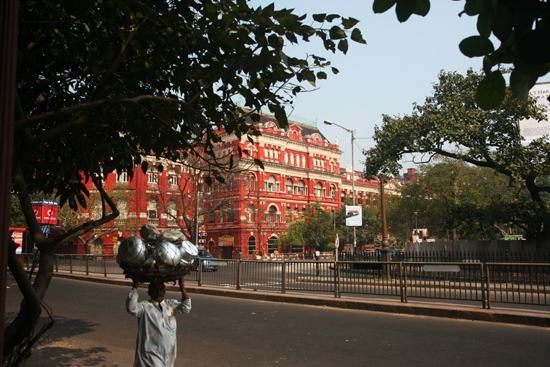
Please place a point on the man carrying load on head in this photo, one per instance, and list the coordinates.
(156, 340)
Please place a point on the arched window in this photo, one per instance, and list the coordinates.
(286, 158)
(172, 211)
(272, 245)
(252, 245)
(272, 215)
(288, 185)
(172, 177)
(230, 181)
(152, 175)
(251, 182)
(122, 206)
(319, 190)
(301, 189)
(291, 159)
(123, 177)
(304, 161)
(152, 209)
(230, 214)
(333, 192)
(271, 184)
(251, 213)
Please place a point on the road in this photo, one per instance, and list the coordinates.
(93, 329)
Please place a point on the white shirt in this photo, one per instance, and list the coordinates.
(156, 341)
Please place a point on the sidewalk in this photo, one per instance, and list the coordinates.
(447, 310)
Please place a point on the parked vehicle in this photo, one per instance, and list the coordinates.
(205, 257)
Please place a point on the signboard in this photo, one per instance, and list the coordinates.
(337, 241)
(354, 216)
(530, 128)
(45, 211)
(226, 241)
(17, 237)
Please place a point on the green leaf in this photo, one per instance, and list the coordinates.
(343, 46)
(349, 22)
(319, 17)
(484, 24)
(259, 163)
(422, 7)
(491, 91)
(381, 6)
(280, 114)
(473, 7)
(503, 23)
(476, 46)
(404, 9)
(321, 75)
(337, 33)
(144, 166)
(357, 36)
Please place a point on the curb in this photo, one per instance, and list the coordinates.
(434, 310)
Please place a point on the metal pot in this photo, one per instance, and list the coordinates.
(132, 251)
(167, 253)
(188, 252)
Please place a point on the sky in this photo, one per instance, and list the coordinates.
(396, 68)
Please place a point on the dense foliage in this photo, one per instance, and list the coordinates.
(101, 83)
(450, 124)
(454, 200)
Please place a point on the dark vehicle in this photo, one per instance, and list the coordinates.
(206, 258)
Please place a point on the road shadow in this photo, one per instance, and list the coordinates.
(61, 346)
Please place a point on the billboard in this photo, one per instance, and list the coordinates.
(530, 128)
(354, 216)
(17, 237)
(226, 240)
(45, 211)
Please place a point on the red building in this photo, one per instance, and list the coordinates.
(248, 211)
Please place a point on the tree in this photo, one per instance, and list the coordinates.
(313, 230)
(449, 124)
(372, 226)
(455, 200)
(521, 27)
(102, 83)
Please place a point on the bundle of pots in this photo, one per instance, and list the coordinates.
(156, 255)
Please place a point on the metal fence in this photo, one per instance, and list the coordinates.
(486, 282)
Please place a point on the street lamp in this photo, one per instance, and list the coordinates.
(328, 122)
(416, 226)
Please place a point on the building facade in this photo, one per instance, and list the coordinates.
(251, 209)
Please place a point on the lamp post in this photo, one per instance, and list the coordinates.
(328, 122)
(416, 226)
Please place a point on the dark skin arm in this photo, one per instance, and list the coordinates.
(184, 295)
(135, 282)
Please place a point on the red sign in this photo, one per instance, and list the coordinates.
(17, 237)
(45, 211)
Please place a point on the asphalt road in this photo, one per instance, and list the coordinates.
(93, 329)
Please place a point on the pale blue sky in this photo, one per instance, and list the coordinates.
(395, 69)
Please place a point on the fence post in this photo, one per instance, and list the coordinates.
(57, 263)
(403, 280)
(283, 280)
(71, 264)
(336, 279)
(199, 283)
(87, 265)
(487, 303)
(105, 265)
(238, 275)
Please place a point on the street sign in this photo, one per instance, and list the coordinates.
(337, 241)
